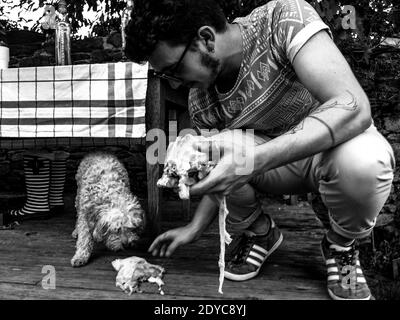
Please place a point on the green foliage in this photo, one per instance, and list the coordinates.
(109, 13)
(374, 14)
(239, 8)
(109, 20)
(376, 65)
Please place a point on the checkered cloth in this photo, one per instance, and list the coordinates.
(97, 100)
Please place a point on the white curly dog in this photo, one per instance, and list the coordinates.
(107, 211)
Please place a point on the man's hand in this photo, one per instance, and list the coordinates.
(166, 243)
(236, 167)
(224, 178)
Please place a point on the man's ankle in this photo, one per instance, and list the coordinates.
(261, 226)
(337, 239)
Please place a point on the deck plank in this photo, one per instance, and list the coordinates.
(294, 271)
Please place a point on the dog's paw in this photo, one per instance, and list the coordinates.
(79, 261)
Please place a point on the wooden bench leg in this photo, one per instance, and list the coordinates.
(153, 200)
(155, 119)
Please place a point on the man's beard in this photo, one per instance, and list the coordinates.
(212, 64)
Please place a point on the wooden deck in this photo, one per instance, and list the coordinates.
(294, 271)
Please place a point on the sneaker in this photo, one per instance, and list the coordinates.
(249, 252)
(346, 280)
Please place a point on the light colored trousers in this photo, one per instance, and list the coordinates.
(353, 178)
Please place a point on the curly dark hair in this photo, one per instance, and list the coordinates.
(174, 21)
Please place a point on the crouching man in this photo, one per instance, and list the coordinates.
(276, 71)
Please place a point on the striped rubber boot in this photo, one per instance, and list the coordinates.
(57, 182)
(37, 182)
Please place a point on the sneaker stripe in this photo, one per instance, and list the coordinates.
(333, 269)
(263, 252)
(254, 262)
(258, 256)
(361, 280)
(333, 277)
(359, 271)
(339, 248)
(260, 249)
(256, 259)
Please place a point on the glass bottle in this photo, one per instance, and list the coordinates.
(4, 50)
(63, 36)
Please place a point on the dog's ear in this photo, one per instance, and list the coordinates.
(100, 229)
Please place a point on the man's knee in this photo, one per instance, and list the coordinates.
(364, 161)
(369, 169)
(244, 195)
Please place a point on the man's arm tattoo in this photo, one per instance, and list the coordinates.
(350, 106)
(300, 127)
(296, 128)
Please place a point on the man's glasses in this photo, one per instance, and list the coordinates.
(170, 76)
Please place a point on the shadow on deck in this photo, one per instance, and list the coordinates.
(294, 271)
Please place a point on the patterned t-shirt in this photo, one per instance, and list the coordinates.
(267, 95)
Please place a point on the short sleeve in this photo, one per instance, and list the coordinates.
(294, 23)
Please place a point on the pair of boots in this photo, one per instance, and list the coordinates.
(44, 182)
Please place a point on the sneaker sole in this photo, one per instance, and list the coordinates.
(247, 276)
(335, 297)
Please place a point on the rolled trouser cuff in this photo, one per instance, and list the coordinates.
(350, 234)
(244, 224)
